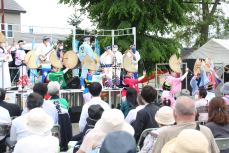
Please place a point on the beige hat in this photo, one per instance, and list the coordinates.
(165, 116)
(113, 120)
(188, 141)
(39, 122)
(175, 63)
(89, 62)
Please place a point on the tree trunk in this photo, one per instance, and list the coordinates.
(204, 29)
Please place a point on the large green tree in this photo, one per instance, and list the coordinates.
(154, 19)
(206, 21)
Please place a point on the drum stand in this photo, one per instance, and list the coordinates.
(114, 78)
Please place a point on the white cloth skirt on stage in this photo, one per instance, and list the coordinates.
(5, 75)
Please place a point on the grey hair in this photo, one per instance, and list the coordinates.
(185, 106)
(53, 88)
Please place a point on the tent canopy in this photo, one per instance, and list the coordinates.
(215, 49)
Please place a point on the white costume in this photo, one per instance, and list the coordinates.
(107, 60)
(20, 57)
(5, 81)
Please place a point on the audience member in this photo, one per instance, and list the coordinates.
(95, 90)
(13, 109)
(164, 118)
(49, 108)
(18, 129)
(202, 105)
(145, 117)
(94, 114)
(64, 120)
(184, 114)
(131, 116)
(210, 92)
(187, 141)
(131, 101)
(60, 103)
(111, 120)
(117, 142)
(225, 92)
(40, 140)
(218, 119)
(4, 120)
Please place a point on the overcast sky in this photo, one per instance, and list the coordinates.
(47, 13)
(50, 13)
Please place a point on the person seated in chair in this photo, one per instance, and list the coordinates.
(5, 121)
(13, 109)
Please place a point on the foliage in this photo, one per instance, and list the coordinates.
(206, 21)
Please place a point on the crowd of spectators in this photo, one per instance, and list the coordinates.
(190, 126)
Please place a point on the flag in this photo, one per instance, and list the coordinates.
(97, 47)
(33, 44)
(75, 45)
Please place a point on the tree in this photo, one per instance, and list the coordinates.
(206, 21)
(153, 19)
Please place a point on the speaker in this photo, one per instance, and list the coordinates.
(74, 83)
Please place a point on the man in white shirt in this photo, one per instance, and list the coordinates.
(18, 129)
(48, 106)
(95, 90)
(4, 120)
(44, 52)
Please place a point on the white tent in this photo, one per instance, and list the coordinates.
(215, 49)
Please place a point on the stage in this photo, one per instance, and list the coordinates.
(73, 96)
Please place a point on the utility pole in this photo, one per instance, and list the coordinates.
(3, 17)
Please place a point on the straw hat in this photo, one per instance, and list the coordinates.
(89, 63)
(2, 38)
(198, 64)
(70, 59)
(128, 64)
(39, 122)
(188, 141)
(165, 116)
(175, 63)
(113, 120)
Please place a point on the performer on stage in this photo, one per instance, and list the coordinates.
(172, 86)
(60, 50)
(44, 53)
(19, 61)
(58, 75)
(129, 81)
(107, 60)
(5, 81)
(198, 80)
(136, 57)
(85, 50)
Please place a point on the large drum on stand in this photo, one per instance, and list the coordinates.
(70, 59)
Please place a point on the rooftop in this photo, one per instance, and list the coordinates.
(11, 6)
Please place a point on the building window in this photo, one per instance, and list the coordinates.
(9, 31)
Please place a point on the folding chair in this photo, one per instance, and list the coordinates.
(222, 143)
(143, 135)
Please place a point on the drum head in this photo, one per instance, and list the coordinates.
(70, 59)
(31, 60)
(55, 60)
(128, 64)
(89, 63)
(175, 63)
